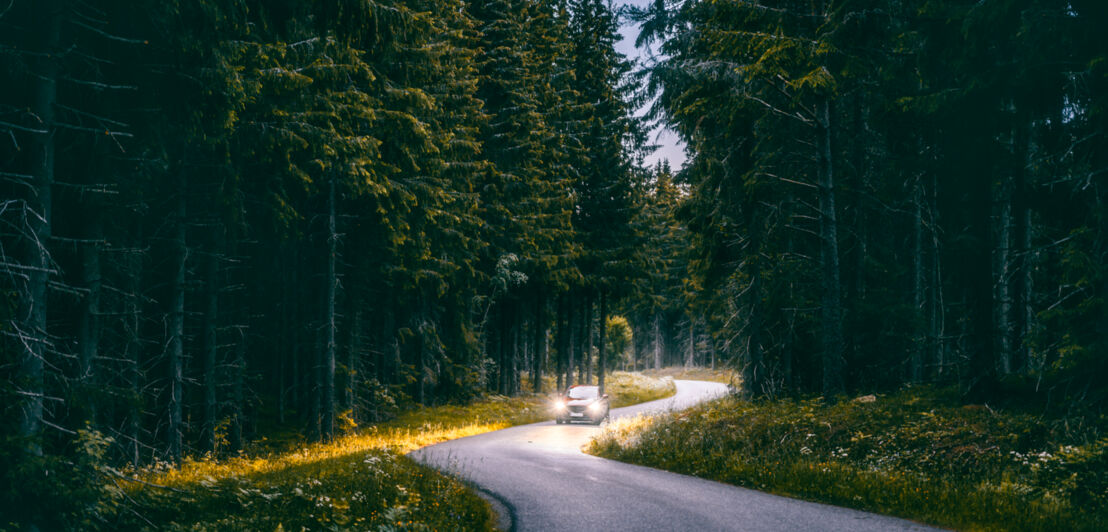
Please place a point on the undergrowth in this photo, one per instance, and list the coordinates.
(916, 454)
(361, 481)
(723, 375)
(628, 389)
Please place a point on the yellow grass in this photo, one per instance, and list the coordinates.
(361, 479)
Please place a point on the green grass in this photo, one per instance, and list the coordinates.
(627, 389)
(725, 376)
(914, 454)
(361, 481)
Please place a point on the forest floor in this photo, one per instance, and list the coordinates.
(360, 481)
(918, 453)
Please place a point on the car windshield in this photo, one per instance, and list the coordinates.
(583, 392)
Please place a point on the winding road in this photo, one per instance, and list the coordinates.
(544, 482)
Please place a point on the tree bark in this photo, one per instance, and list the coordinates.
(562, 342)
(133, 351)
(538, 351)
(919, 340)
(210, 346)
(30, 326)
(690, 354)
(831, 301)
(1002, 275)
(586, 344)
(657, 341)
(177, 323)
(88, 336)
(571, 349)
(238, 392)
(601, 362)
(327, 423)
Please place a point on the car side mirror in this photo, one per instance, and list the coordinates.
(605, 396)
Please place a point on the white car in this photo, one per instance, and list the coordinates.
(582, 403)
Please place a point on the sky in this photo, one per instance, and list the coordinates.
(671, 147)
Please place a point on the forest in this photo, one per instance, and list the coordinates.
(222, 220)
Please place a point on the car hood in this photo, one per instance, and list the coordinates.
(580, 402)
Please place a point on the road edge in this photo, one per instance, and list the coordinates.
(505, 514)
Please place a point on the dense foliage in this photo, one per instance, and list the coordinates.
(223, 219)
(889, 192)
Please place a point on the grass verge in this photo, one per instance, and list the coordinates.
(361, 481)
(914, 454)
(726, 376)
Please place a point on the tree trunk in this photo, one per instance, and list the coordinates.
(88, 336)
(586, 348)
(133, 352)
(353, 365)
(210, 346)
(753, 369)
(237, 392)
(538, 350)
(30, 326)
(601, 363)
(327, 424)
(658, 341)
(831, 301)
(571, 349)
(690, 354)
(177, 324)
(935, 323)
(919, 341)
(1002, 275)
(562, 341)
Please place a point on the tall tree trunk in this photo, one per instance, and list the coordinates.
(177, 323)
(327, 426)
(571, 349)
(831, 301)
(753, 370)
(586, 347)
(690, 354)
(88, 335)
(936, 311)
(353, 365)
(210, 346)
(296, 325)
(238, 396)
(538, 351)
(919, 340)
(517, 348)
(601, 363)
(1024, 263)
(30, 326)
(421, 327)
(657, 341)
(133, 350)
(562, 341)
(1002, 275)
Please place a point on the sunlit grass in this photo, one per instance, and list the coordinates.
(627, 388)
(914, 455)
(723, 375)
(360, 481)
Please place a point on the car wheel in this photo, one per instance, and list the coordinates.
(558, 421)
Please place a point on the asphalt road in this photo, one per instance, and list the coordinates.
(545, 483)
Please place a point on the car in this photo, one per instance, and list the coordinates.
(582, 402)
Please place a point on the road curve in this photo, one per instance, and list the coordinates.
(547, 484)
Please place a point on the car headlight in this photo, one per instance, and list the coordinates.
(559, 405)
(596, 407)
